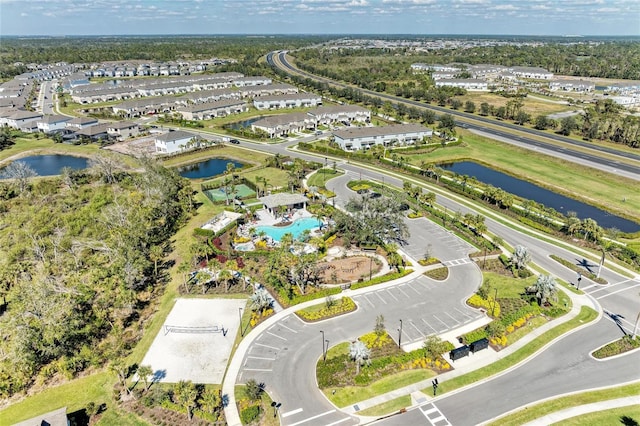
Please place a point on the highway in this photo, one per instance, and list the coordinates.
(478, 123)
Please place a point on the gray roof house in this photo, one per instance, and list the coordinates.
(353, 139)
(171, 142)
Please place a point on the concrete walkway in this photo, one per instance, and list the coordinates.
(584, 409)
(482, 358)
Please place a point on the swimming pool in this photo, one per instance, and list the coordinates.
(296, 228)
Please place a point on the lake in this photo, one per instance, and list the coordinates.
(51, 165)
(239, 125)
(206, 169)
(541, 195)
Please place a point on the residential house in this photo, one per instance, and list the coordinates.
(267, 90)
(82, 122)
(471, 84)
(534, 73)
(49, 123)
(295, 100)
(283, 202)
(572, 86)
(354, 139)
(21, 118)
(252, 81)
(94, 132)
(206, 111)
(173, 141)
(53, 418)
(339, 113)
(122, 130)
(283, 125)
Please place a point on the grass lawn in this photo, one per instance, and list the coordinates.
(114, 416)
(612, 416)
(593, 186)
(320, 177)
(508, 287)
(74, 395)
(538, 410)
(387, 407)
(586, 315)
(46, 146)
(352, 394)
(231, 152)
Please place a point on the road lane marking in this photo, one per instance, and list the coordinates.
(370, 302)
(414, 326)
(275, 335)
(267, 346)
(618, 291)
(313, 418)
(605, 287)
(402, 291)
(292, 412)
(444, 323)
(392, 295)
(380, 297)
(429, 325)
(339, 421)
(457, 322)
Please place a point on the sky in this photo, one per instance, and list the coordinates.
(165, 17)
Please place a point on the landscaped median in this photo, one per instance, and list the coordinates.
(617, 347)
(329, 309)
(532, 412)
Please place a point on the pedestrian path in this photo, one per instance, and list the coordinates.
(584, 409)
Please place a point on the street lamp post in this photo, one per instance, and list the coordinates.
(324, 353)
(241, 328)
(370, 267)
(276, 406)
(400, 335)
(579, 279)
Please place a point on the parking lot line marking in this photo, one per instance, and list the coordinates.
(617, 291)
(445, 324)
(380, 297)
(402, 291)
(290, 329)
(417, 329)
(457, 322)
(261, 357)
(463, 313)
(392, 295)
(267, 346)
(411, 287)
(258, 369)
(370, 302)
(428, 325)
(339, 421)
(275, 335)
(291, 413)
(313, 418)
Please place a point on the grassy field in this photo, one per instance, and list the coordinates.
(538, 410)
(320, 177)
(596, 187)
(231, 152)
(387, 407)
(607, 417)
(74, 395)
(352, 394)
(113, 416)
(531, 106)
(30, 145)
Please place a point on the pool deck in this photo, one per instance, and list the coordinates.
(266, 219)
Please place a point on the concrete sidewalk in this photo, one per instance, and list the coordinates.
(480, 359)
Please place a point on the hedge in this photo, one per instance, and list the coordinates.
(381, 279)
(249, 414)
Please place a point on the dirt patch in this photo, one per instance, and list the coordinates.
(348, 269)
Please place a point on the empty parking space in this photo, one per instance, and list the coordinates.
(428, 236)
(265, 350)
(424, 306)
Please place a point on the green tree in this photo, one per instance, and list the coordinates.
(568, 125)
(434, 346)
(546, 289)
(520, 257)
(379, 329)
(185, 394)
(144, 371)
(210, 400)
(253, 390)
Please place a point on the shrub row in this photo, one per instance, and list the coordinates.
(489, 304)
(345, 305)
(249, 414)
(381, 279)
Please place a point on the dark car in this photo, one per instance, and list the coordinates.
(234, 141)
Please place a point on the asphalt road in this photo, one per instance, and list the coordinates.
(474, 122)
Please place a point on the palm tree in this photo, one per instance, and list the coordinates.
(144, 371)
(185, 394)
(184, 268)
(226, 277)
(156, 253)
(359, 353)
(520, 257)
(591, 229)
(546, 289)
(210, 400)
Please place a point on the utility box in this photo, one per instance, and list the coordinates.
(459, 353)
(479, 345)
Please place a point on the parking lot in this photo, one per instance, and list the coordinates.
(425, 236)
(424, 310)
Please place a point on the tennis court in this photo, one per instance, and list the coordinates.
(218, 194)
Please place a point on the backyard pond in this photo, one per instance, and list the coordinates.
(51, 165)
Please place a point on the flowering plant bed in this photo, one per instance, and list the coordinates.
(327, 310)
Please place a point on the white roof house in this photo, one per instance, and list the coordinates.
(170, 142)
(214, 109)
(535, 73)
(353, 139)
(252, 81)
(572, 85)
(464, 83)
(22, 117)
(282, 125)
(287, 101)
(337, 113)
